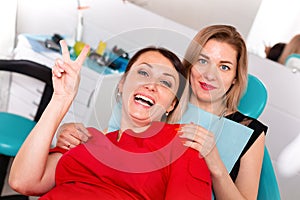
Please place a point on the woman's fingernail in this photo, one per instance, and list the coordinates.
(184, 143)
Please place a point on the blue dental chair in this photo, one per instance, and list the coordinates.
(14, 128)
(252, 104)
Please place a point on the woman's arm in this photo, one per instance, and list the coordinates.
(246, 184)
(33, 170)
(250, 168)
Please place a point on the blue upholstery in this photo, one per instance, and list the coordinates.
(293, 62)
(268, 186)
(255, 98)
(13, 126)
(252, 104)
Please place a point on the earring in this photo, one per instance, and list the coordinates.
(167, 114)
(118, 96)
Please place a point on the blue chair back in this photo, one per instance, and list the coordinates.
(254, 99)
(268, 186)
(252, 104)
(293, 62)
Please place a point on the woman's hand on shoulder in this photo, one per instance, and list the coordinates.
(70, 135)
(198, 138)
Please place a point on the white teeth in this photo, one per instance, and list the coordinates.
(144, 100)
(144, 103)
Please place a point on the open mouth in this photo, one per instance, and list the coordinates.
(143, 100)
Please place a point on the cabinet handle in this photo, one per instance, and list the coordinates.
(90, 98)
(31, 115)
(39, 91)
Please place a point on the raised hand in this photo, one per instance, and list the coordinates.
(66, 73)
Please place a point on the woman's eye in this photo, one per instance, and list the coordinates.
(224, 67)
(202, 61)
(143, 73)
(167, 84)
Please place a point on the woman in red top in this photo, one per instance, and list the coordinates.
(145, 159)
(216, 60)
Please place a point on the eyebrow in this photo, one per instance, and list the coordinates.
(222, 61)
(166, 74)
(203, 55)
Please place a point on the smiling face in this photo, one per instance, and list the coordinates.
(214, 73)
(148, 89)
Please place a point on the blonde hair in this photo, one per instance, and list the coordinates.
(290, 48)
(229, 35)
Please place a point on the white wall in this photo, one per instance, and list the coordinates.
(132, 27)
(8, 10)
(46, 17)
(199, 13)
(276, 21)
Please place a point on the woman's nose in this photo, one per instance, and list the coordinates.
(151, 86)
(210, 73)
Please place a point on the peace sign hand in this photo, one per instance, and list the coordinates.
(66, 73)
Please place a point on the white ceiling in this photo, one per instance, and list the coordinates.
(198, 13)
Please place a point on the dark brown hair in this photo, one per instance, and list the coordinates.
(276, 51)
